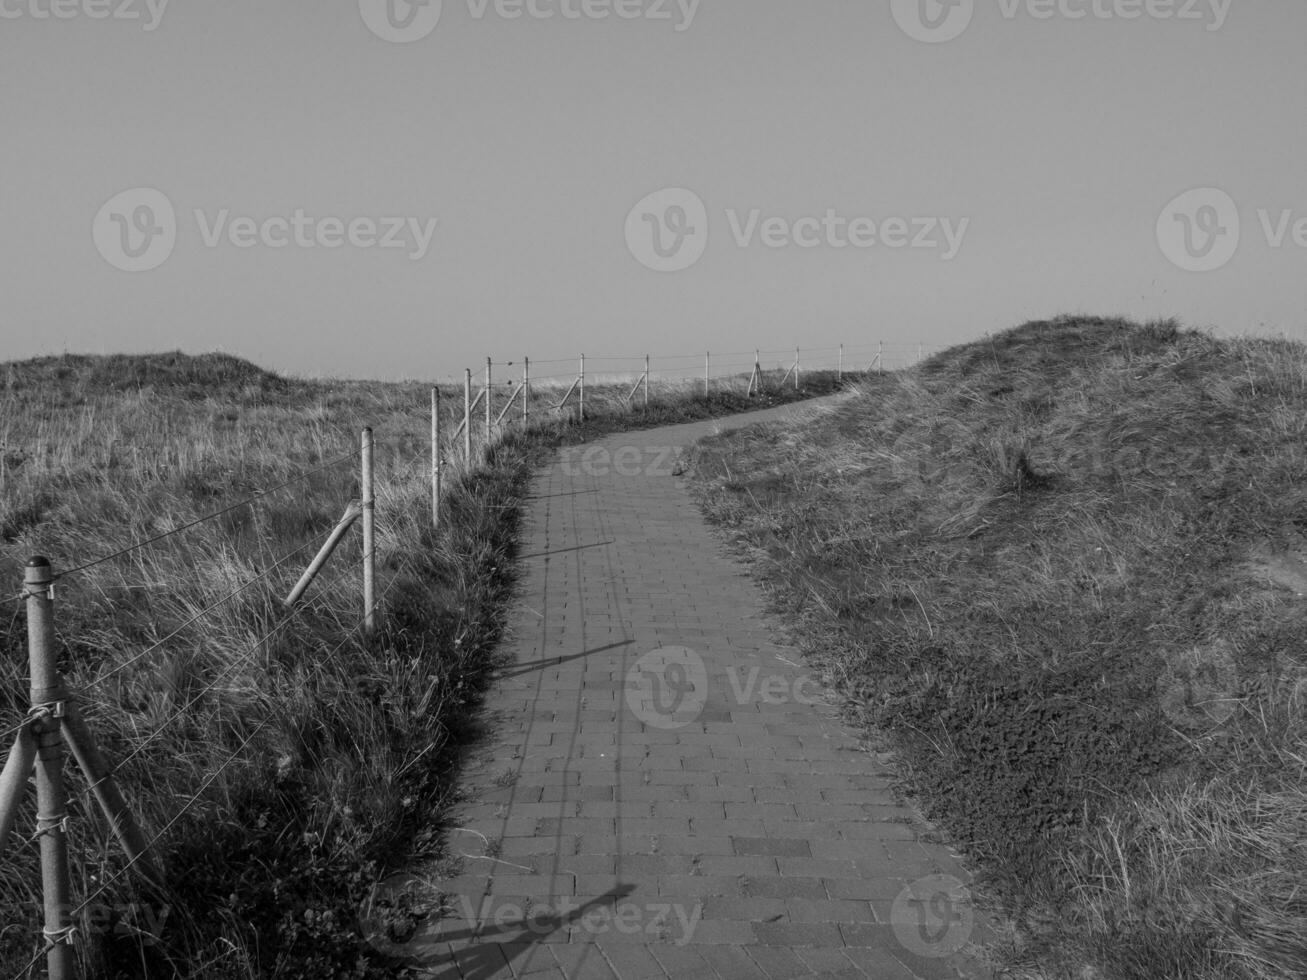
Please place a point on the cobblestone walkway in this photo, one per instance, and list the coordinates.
(664, 791)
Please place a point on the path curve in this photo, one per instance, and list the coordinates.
(665, 792)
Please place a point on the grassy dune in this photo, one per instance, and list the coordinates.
(1061, 573)
(286, 762)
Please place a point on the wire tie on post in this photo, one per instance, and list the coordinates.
(59, 937)
(47, 825)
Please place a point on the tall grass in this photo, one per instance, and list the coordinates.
(284, 760)
(1051, 567)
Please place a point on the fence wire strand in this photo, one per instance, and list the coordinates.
(94, 682)
(208, 517)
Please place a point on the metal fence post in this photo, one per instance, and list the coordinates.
(51, 794)
(880, 355)
(467, 419)
(435, 458)
(646, 382)
(490, 431)
(839, 370)
(707, 371)
(581, 403)
(369, 537)
(796, 369)
(526, 392)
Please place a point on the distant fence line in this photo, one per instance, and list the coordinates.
(54, 722)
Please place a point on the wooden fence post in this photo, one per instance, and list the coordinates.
(369, 537)
(839, 370)
(646, 382)
(467, 420)
(880, 355)
(435, 458)
(581, 402)
(51, 794)
(707, 371)
(796, 369)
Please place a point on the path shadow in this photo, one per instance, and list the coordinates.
(563, 551)
(535, 665)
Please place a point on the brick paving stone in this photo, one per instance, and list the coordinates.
(613, 785)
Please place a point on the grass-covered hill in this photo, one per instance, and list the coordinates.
(284, 762)
(281, 759)
(1062, 570)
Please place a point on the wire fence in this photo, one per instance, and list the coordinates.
(465, 427)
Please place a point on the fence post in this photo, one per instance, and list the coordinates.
(467, 419)
(526, 392)
(435, 458)
(581, 403)
(13, 781)
(839, 371)
(490, 431)
(369, 537)
(707, 371)
(646, 382)
(105, 789)
(796, 369)
(880, 355)
(920, 352)
(51, 794)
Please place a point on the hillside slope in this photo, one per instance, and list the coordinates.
(1062, 568)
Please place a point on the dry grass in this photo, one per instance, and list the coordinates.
(290, 759)
(1052, 566)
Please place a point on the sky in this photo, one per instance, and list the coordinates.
(369, 188)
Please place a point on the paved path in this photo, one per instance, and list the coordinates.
(664, 791)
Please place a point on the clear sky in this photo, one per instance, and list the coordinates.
(1033, 159)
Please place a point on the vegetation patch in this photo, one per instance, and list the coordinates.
(1060, 570)
(285, 761)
